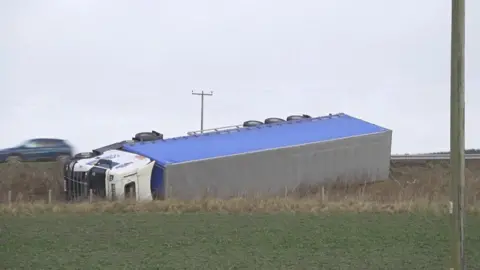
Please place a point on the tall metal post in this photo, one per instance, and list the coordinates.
(202, 95)
(457, 134)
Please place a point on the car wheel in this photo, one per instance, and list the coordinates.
(63, 159)
(14, 159)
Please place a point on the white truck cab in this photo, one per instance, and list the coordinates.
(113, 175)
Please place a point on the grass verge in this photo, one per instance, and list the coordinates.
(234, 205)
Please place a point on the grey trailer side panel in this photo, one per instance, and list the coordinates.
(269, 172)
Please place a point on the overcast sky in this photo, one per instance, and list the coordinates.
(95, 72)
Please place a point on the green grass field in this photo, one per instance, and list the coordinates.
(224, 241)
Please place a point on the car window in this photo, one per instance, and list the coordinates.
(50, 143)
(31, 144)
(43, 143)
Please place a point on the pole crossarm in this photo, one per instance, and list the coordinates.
(202, 100)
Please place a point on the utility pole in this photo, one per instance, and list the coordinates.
(202, 95)
(457, 134)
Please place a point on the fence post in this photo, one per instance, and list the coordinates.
(90, 196)
(9, 198)
(323, 193)
(286, 191)
(49, 196)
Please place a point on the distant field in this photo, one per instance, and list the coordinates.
(225, 241)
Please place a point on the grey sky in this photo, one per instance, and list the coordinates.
(95, 72)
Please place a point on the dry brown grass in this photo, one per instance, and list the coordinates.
(31, 181)
(235, 205)
(413, 186)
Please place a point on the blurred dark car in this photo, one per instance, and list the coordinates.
(41, 149)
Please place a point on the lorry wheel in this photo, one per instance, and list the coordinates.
(63, 159)
(295, 117)
(252, 123)
(84, 155)
(145, 137)
(14, 159)
(273, 120)
(298, 117)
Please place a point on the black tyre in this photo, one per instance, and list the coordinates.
(146, 136)
(298, 117)
(252, 123)
(273, 120)
(83, 155)
(63, 159)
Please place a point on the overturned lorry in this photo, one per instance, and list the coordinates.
(257, 157)
(109, 172)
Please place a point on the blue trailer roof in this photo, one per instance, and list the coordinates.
(244, 140)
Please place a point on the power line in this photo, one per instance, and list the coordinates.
(457, 134)
(202, 95)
